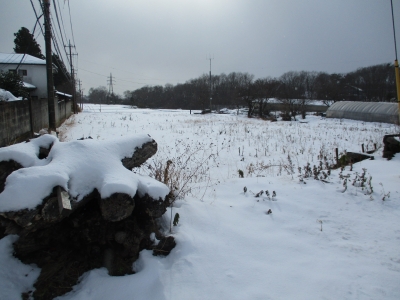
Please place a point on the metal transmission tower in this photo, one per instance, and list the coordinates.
(110, 85)
(72, 75)
(210, 58)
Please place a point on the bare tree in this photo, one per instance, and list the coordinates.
(330, 88)
(264, 89)
(292, 91)
(245, 91)
(98, 95)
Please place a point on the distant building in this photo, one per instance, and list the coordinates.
(365, 111)
(31, 69)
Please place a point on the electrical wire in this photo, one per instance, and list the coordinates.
(70, 21)
(59, 26)
(62, 20)
(37, 18)
(148, 78)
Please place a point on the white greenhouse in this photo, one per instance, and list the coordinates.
(365, 111)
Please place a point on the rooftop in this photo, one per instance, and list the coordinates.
(16, 58)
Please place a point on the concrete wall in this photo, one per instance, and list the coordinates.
(40, 114)
(15, 123)
(63, 111)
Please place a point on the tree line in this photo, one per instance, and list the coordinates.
(295, 89)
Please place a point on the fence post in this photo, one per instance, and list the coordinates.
(337, 156)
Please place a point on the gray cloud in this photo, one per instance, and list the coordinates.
(167, 41)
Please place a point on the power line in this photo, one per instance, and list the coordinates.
(56, 47)
(113, 77)
(37, 18)
(93, 72)
(62, 21)
(59, 26)
(58, 35)
(70, 21)
(151, 78)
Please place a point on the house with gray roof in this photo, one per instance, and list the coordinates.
(31, 69)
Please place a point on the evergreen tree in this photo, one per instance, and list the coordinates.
(25, 43)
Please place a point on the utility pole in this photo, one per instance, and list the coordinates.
(210, 83)
(82, 99)
(49, 67)
(80, 94)
(396, 64)
(72, 75)
(110, 85)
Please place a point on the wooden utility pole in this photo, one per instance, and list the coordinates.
(49, 66)
(72, 76)
(80, 93)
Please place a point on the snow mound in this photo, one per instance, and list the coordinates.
(7, 96)
(79, 167)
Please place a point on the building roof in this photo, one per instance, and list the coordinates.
(29, 86)
(15, 58)
(63, 94)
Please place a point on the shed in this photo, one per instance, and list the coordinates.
(365, 111)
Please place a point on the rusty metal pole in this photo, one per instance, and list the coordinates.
(49, 67)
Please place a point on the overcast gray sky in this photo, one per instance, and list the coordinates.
(154, 42)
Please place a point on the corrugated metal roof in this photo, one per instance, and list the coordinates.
(14, 58)
(365, 111)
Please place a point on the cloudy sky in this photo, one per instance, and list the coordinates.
(155, 42)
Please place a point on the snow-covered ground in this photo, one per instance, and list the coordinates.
(228, 246)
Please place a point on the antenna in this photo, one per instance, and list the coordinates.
(210, 58)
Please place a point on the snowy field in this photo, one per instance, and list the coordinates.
(322, 239)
